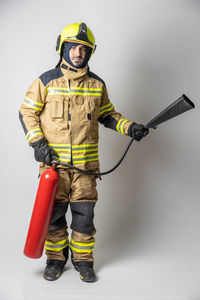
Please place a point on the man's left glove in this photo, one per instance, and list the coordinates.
(138, 131)
(43, 153)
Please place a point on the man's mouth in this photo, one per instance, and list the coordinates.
(77, 58)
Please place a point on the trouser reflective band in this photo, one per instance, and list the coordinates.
(81, 247)
(58, 246)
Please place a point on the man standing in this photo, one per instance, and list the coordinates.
(60, 116)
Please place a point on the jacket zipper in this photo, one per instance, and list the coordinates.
(69, 119)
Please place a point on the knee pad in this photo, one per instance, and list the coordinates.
(58, 220)
(82, 217)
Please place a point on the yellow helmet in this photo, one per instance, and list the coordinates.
(76, 33)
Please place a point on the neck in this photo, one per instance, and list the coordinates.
(72, 72)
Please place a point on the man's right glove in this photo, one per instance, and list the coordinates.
(138, 131)
(43, 153)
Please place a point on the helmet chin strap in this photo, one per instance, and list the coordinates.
(66, 48)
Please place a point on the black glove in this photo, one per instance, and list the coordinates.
(138, 131)
(43, 153)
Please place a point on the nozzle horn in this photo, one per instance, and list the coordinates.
(178, 107)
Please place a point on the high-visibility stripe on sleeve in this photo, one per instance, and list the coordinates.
(106, 108)
(81, 247)
(30, 134)
(58, 246)
(120, 125)
(33, 104)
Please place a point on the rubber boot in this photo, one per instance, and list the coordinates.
(53, 269)
(87, 274)
(85, 270)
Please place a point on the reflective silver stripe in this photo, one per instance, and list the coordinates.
(77, 161)
(74, 148)
(81, 91)
(85, 158)
(99, 90)
(88, 152)
(63, 151)
(57, 246)
(54, 91)
(86, 91)
(106, 108)
(33, 132)
(76, 158)
(84, 148)
(63, 159)
(33, 104)
(64, 156)
(120, 125)
(82, 247)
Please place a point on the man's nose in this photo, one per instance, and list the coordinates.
(78, 51)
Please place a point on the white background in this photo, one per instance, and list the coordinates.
(147, 216)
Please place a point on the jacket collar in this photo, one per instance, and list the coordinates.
(71, 72)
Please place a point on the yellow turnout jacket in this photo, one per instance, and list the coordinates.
(65, 105)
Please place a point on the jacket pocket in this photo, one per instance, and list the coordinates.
(57, 109)
(94, 108)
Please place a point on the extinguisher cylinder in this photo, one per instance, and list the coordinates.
(42, 213)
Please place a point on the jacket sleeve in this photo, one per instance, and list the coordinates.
(30, 111)
(110, 118)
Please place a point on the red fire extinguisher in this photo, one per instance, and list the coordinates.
(42, 212)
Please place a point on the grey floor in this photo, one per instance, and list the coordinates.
(141, 277)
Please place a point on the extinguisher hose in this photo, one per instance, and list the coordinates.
(55, 163)
(178, 107)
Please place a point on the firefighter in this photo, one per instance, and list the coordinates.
(60, 116)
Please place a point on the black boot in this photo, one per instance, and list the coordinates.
(86, 271)
(53, 269)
